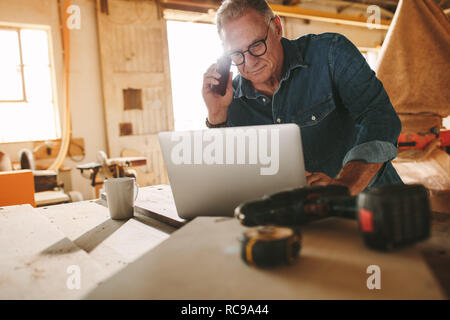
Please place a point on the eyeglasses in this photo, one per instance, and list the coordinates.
(257, 49)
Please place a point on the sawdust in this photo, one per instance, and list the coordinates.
(38, 273)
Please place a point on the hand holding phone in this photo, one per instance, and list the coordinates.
(217, 90)
(223, 68)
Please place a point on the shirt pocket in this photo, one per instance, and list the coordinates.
(315, 113)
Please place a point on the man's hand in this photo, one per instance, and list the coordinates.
(320, 179)
(355, 175)
(217, 105)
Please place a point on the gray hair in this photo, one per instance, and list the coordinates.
(233, 9)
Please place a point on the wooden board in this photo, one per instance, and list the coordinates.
(434, 173)
(35, 257)
(45, 198)
(45, 180)
(38, 245)
(134, 55)
(111, 243)
(158, 203)
(202, 261)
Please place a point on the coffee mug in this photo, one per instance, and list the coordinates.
(120, 196)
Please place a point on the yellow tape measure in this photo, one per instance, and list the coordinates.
(270, 246)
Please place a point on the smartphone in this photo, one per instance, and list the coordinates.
(223, 68)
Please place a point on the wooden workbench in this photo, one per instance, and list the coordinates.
(38, 245)
(144, 258)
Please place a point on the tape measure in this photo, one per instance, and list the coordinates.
(269, 246)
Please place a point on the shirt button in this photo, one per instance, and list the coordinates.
(313, 118)
(279, 120)
(264, 99)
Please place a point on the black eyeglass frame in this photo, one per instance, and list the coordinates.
(263, 41)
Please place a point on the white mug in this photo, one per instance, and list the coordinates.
(120, 196)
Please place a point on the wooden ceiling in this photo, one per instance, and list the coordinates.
(389, 5)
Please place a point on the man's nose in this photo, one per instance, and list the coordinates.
(250, 60)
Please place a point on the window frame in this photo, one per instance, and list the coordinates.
(52, 69)
(22, 73)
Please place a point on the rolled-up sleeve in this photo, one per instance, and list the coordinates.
(363, 94)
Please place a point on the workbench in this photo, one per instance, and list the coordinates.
(41, 250)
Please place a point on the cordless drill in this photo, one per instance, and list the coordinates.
(388, 217)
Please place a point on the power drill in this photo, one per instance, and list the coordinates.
(388, 217)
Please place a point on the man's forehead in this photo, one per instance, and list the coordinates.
(238, 33)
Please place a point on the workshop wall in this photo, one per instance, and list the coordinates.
(360, 36)
(85, 84)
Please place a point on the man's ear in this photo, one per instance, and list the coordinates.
(278, 26)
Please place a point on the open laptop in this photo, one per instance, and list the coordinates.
(212, 171)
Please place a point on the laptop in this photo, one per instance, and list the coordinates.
(212, 171)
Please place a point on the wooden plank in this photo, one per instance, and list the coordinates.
(45, 198)
(125, 245)
(202, 261)
(35, 257)
(77, 218)
(157, 202)
(433, 172)
(38, 245)
(134, 54)
(111, 243)
(330, 17)
(287, 11)
(128, 161)
(19, 234)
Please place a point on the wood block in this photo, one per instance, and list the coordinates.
(45, 180)
(157, 202)
(202, 261)
(45, 198)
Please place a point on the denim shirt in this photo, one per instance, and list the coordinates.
(329, 90)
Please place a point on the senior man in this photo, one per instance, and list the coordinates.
(320, 82)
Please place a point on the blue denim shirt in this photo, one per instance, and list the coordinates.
(329, 90)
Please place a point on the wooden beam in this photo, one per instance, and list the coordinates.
(301, 13)
(288, 11)
(192, 5)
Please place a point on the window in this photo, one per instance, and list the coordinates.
(193, 47)
(28, 108)
(371, 55)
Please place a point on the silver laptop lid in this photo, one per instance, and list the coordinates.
(214, 170)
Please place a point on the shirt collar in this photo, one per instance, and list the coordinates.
(292, 60)
(292, 57)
